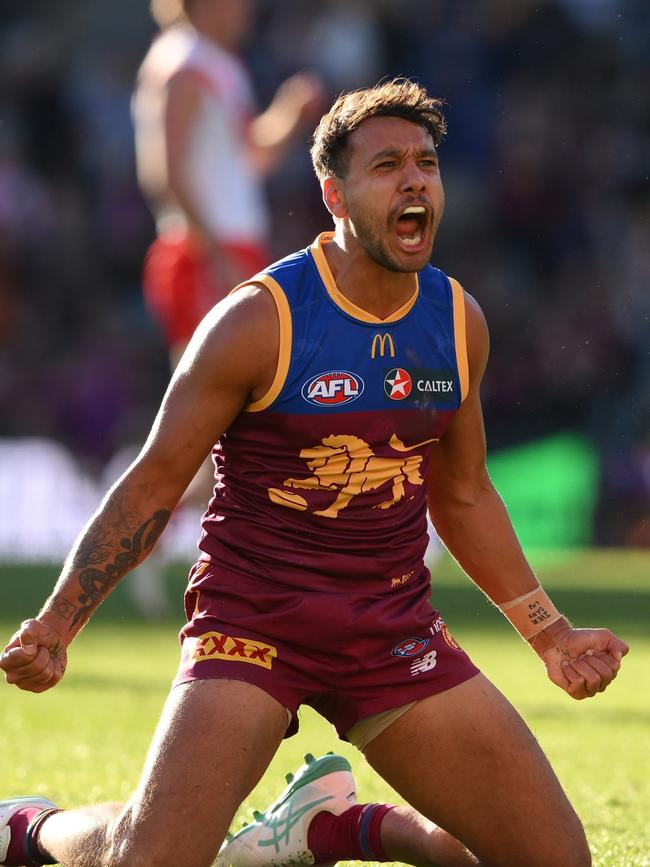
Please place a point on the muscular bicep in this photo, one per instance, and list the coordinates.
(457, 462)
(215, 379)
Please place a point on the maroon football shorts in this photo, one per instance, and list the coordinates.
(348, 655)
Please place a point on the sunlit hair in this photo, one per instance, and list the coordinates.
(166, 13)
(397, 98)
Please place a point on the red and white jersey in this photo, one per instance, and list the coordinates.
(224, 185)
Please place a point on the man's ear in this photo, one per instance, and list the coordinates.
(334, 197)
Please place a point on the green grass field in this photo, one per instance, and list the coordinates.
(85, 741)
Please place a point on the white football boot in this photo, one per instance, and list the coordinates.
(278, 837)
(8, 809)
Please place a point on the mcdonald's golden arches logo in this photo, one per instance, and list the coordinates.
(381, 341)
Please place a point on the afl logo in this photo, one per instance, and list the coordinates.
(410, 647)
(333, 388)
(398, 383)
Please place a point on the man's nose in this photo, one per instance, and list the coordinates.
(414, 180)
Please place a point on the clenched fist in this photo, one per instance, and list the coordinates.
(35, 658)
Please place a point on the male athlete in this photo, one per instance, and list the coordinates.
(342, 388)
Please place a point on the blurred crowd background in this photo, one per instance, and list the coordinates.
(546, 167)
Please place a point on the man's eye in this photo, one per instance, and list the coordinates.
(386, 164)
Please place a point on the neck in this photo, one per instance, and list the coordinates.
(209, 29)
(367, 284)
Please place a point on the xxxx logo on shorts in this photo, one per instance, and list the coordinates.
(216, 645)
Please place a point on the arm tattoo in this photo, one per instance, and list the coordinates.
(63, 607)
(97, 583)
(57, 649)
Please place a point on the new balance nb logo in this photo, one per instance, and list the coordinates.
(426, 663)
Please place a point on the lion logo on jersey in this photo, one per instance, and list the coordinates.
(347, 465)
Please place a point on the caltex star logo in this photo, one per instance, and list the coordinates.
(398, 383)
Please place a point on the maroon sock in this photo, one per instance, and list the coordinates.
(352, 836)
(23, 846)
(19, 823)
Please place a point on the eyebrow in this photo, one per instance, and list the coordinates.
(395, 152)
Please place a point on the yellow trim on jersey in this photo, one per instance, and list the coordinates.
(284, 348)
(460, 336)
(340, 300)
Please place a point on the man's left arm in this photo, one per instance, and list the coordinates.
(473, 523)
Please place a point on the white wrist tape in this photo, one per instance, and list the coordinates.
(530, 613)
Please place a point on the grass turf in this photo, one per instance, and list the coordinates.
(85, 741)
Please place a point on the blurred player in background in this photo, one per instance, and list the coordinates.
(343, 387)
(202, 154)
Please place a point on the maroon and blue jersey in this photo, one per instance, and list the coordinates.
(321, 483)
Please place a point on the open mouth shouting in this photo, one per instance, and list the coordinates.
(410, 228)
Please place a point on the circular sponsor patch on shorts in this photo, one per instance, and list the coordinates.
(410, 647)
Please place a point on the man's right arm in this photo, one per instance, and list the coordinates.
(473, 523)
(216, 377)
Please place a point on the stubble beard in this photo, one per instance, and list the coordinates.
(377, 249)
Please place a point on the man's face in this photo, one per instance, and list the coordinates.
(393, 192)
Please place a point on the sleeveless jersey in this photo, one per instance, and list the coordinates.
(225, 187)
(321, 483)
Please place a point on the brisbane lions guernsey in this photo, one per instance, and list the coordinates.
(321, 483)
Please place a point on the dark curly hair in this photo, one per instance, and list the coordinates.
(397, 98)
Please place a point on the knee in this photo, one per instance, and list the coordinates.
(577, 852)
(573, 848)
(568, 850)
(134, 846)
(566, 846)
(125, 855)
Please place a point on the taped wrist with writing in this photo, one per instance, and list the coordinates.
(531, 613)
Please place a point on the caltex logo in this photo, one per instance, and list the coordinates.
(398, 383)
(332, 388)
